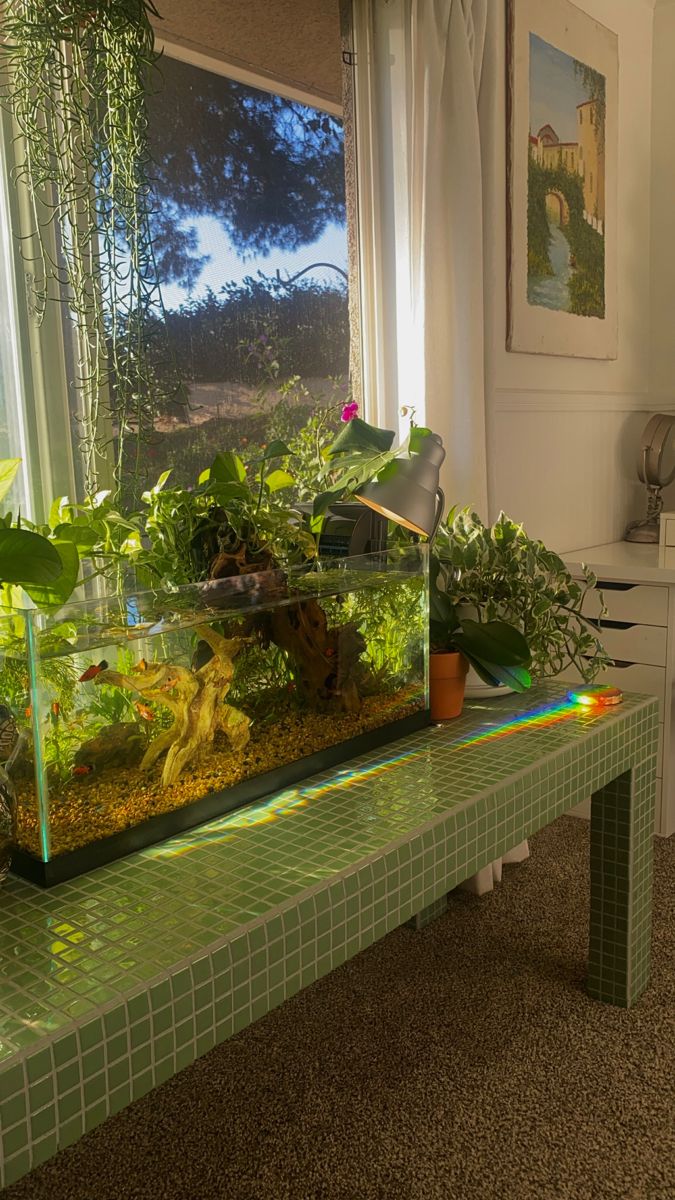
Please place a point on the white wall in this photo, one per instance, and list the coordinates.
(563, 434)
(663, 205)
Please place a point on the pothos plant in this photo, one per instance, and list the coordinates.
(497, 572)
(231, 521)
(74, 74)
(27, 559)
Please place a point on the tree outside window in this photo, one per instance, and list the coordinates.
(250, 238)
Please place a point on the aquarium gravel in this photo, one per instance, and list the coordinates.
(95, 807)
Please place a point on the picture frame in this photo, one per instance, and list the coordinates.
(562, 129)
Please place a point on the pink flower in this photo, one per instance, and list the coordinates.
(349, 411)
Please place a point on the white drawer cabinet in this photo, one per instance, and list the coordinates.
(646, 644)
(639, 604)
(638, 632)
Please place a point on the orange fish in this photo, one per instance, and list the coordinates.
(170, 683)
(141, 665)
(85, 769)
(92, 671)
(28, 712)
(143, 711)
(56, 708)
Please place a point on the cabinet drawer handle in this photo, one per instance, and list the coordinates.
(609, 585)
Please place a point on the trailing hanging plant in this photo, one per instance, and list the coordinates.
(74, 76)
(498, 573)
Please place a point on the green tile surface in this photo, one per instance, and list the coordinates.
(116, 980)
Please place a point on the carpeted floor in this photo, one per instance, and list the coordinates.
(461, 1062)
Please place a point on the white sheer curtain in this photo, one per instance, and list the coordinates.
(426, 112)
(417, 88)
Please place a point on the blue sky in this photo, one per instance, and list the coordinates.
(227, 266)
(555, 91)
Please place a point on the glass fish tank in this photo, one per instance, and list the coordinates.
(136, 716)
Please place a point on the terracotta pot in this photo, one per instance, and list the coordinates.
(447, 676)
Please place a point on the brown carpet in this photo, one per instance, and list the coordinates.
(461, 1062)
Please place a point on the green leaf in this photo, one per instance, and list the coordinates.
(82, 536)
(59, 511)
(8, 470)
(224, 493)
(359, 436)
(418, 434)
(493, 674)
(493, 642)
(276, 449)
(276, 480)
(227, 468)
(55, 594)
(27, 557)
(323, 501)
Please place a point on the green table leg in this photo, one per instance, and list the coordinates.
(622, 823)
(426, 915)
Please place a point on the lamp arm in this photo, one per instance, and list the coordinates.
(440, 509)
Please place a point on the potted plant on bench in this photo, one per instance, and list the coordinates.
(497, 573)
(496, 650)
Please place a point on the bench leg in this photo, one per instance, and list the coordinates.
(426, 915)
(622, 823)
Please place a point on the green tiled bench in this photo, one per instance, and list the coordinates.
(113, 982)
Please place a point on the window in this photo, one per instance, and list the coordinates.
(251, 244)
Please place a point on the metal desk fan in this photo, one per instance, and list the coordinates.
(656, 469)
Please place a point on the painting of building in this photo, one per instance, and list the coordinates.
(566, 183)
(563, 73)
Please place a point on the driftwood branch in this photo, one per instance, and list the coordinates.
(196, 699)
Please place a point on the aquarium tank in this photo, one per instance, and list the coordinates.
(143, 714)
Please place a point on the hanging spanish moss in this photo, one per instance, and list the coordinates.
(74, 77)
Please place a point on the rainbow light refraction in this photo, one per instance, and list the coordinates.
(284, 803)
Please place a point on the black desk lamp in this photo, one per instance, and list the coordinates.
(408, 491)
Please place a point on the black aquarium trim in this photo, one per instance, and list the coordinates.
(166, 825)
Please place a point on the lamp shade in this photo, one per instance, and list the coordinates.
(409, 492)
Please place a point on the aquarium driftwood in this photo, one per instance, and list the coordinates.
(196, 699)
(325, 659)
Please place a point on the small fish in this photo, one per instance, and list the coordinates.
(92, 671)
(330, 652)
(28, 712)
(143, 711)
(56, 708)
(85, 769)
(141, 665)
(170, 683)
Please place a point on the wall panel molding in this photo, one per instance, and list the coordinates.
(540, 400)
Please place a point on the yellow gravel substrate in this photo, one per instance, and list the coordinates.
(97, 807)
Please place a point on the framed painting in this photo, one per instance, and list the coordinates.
(562, 110)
